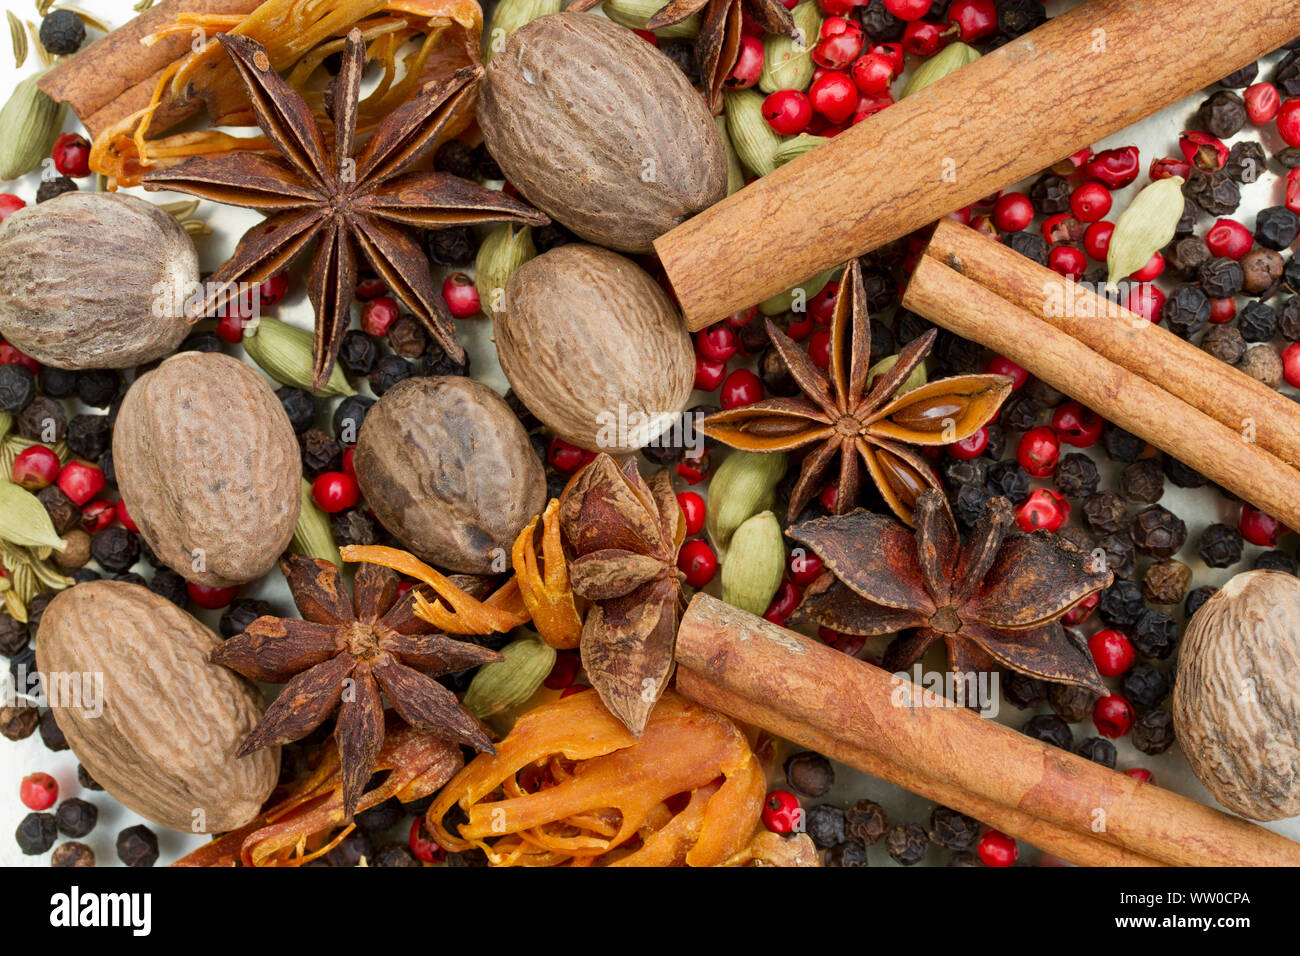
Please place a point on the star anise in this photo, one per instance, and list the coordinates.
(842, 412)
(365, 203)
(717, 47)
(995, 600)
(341, 655)
(623, 535)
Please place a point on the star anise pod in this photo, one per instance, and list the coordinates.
(623, 535)
(341, 655)
(319, 192)
(841, 412)
(717, 47)
(995, 600)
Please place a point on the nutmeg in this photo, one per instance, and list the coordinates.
(446, 467)
(594, 348)
(1234, 699)
(600, 130)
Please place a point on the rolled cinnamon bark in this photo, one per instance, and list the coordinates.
(1224, 393)
(851, 701)
(1076, 79)
(963, 306)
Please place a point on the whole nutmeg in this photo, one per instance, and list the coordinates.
(95, 280)
(446, 467)
(1263, 363)
(1234, 698)
(600, 130)
(208, 464)
(594, 348)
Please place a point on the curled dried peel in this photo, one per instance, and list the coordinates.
(456, 612)
(603, 790)
(544, 587)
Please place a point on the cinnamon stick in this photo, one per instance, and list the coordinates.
(1004, 117)
(847, 700)
(1072, 847)
(961, 305)
(1224, 393)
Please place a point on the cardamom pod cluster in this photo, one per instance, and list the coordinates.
(742, 486)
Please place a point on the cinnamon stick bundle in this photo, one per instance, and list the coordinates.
(960, 304)
(791, 684)
(1004, 117)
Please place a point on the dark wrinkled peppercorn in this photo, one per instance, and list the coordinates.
(1223, 114)
(970, 503)
(63, 513)
(1186, 311)
(1153, 732)
(438, 362)
(1050, 729)
(298, 405)
(137, 846)
(240, 614)
(487, 167)
(36, 833)
(1076, 475)
(468, 858)
(953, 830)
(1196, 598)
(170, 585)
(1183, 258)
(1154, 634)
(1158, 532)
(809, 773)
(846, 854)
(1261, 272)
(76, 817)
(352, 527)
(52, 188)
(1121, 604)
(1018, 17)
(1275, 561)
(1187, 221)
(1045, 395)
(1050, 194)
(1215, 192)
(394, 854)
(348, 416)
(825, 825)
(407, 337)
(17, 387)
(358, 353)
(89, 436)
(909, 326)
(907, 843)
(777, 380)
(71, 854)
(82, 575)
(44, 420)
(388, 371)
(86, 780)
(1024, 691)
(381, 817)
(972, 471)
(1020, 412)
(1098, 750)
(36, 609)
(1289, 157)
(453, 246)
(98, 387)
(1143, 685)
(1072, 704)
(18, 722)
(1286, 76)
(56, 382)
(957, 356)
(355, 847)
(1183, 476)
(1240, 79)
(1246, 160)
(551, 236)
(1119, 552)
(1120, 445)
(62, 32)
(1276, 227)
(1220, 546)
(1008, 480)
(13, 635)
(22, 667)
(1221, 278)
(865, 822)
(1105, 512)
(1225, 343)
(320, 453)
(456, 158)
(1142, 482)
(201, 342)
(1030, 244)
(1166, 581)
(682, 53)
(1289, 319)
(878, 23)
(115, 549)
(51, 735)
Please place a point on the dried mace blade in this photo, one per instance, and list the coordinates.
(345, 204)
(994, 600)
(341, 656)
(623, 535)
(842, 412)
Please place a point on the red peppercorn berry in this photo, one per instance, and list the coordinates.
(922, 38)
(230, 326)
(1291, 364)
(9, 204)
(210, 597)
(1227, 237)
(273, 289)
(1038, 451)
(997, 849)
(35, 467)
(709, 373)
(892, 52)
(378, 315)
(786, 599)
(872, 73)
(782, 812)
(80, 481)
(742, 387)
(1062, 228)
(461, 295)
(718, 342)
(1076, 425)
(1262, 103)
(869, 104)
(334, 491)
(1140, 773)
(834, 96)
(1288, 121)
(421, 843)
(805, 567)
(1207, 153)
(1115, 168)
(38, 791)
(71, 154)
(973, 20)
(370, 288)
(1112, 652)
(1090, 202)
(787, 112)
(1292, 191)
(822, 306)
(1112, 715)
(1259, 528)
(575, 689)
(1152, 270)
(1068, 261)
(849, 644)
(694, 467)
(1081, 611)
(12, 355)
(749, 65)
(1043, 510)
(840, 44)
(564, 671)
(1013, 212)
(819, 347)
(565, 457)
(970, 447)
(832, 8)
(1146, 300)
(349, 468)
(1167, 166)
(697, 561)
(98, 515)
(1001, 365)
(693, 509)
(124, 516)
(1223, 310)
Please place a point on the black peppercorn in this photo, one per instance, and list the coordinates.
(381, 817)
(358, 352)
(1166, 581)
(76, 817)
(997, 440)
(1008, 480)
(320, 453)
(1215, 192)
(1240, 79)
(201, 342)
(1158, 532)
(82, 575)
(240, 614)
(1187, 221)
(63, 513)
(1153, 732)
(18, 722)
(22, 668)
(969, 503)
(487, 167)
(394, 854)
(1223, 114)
(168, 584)
(354, 847)
(1225, 343)
(1076, 475)
(1098, 750)
(1221, 277)
(1291, 275)
(36, 833)
(1020, 412)
(970, 471)
(1119, 552)
(1246, 160)
(89, 436)
(453, 246)
(865, 822)
(777, 380)
(13, 635)
(551, 236)
(1286, 75)
(1276, 227)
(1289, 157)
(1050, 729)
(470, 858)
(115, 549)
(456, 158)
(825, 825)
(349, 415)
(809, 773)
(1143, 685)
(682, 53)
(1275, 561)
(388, 371)
(43, 420)
(86, 780)
(878, 23)
(36, 610)
(62, 32)
(1018, 17)
(909, 326)
(1186, 311)
(97, 387)
(438, 362)
(1121, 604)
(51, 735)
(1030, 244)
(1120, 445)
(1261, 272)
(17, 387)
(1184, 257)
(1183, 476)
(846, 854)
(53, 188)
(352, 527)
(137, 846)
(1220, 546)
(953, 830)
(299, 406)
(72, 853)
(1024, 691)
(407, 337)
(957, 356)
(1050, 194)
(1196, 598)
(907, 843)
(1154, 634)
(56, 382)
(1288, 317)
(1142, 482)
(1106, 513)
(1071, 702)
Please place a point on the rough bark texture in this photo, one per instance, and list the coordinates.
(993, 122)
(1237, 698)
(165, 743)
(448, 469)
(594, 348)
(600, 130)
(95, 280)
(209, 466)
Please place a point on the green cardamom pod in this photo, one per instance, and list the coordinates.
(509, 16)
(755, 564)
(742, 486)
(1144, 228)
(6, 423)
(24, 520)
(796, 299)
(754, 140)
(735, 175)
(29, 123)
(499, 686)
(948, 60)
(915, 380)
(787, 60)
(634, 14)
(506, 248)
(284, 352)
(312, 535)
(796, 146)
